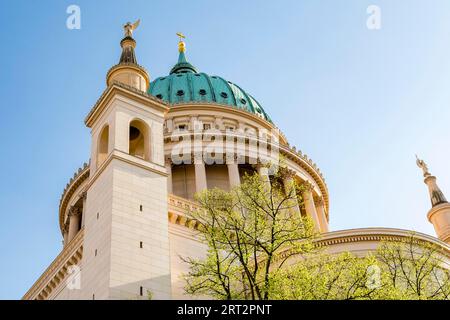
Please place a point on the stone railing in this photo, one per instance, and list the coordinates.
(178, 208)
(78, 178)
(57, 272)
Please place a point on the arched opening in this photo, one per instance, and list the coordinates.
(103, 143)
(139, 145)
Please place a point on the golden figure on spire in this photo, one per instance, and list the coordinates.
(436, 195)
(181, 44)
(129, 28)
(422, 165)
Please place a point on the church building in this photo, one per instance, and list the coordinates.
(122, 215)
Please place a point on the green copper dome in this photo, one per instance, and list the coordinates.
(185, 84)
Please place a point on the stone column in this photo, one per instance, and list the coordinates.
(169, 177)
(321, 212)
(233, 175)
(263, 172)
(83, 213)
(74, 222)
(310, 207)
(289, 186)
(66, 234)
(200, 176)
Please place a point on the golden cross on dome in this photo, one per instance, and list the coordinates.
(181, 44)
(181, 36)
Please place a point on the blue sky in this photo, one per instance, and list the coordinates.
(360, 103)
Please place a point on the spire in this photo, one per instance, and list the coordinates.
(439, 214)
(436, 195)
(128, 43)
(182, 66)
(128, 71)
(128, 55)
(181, 44)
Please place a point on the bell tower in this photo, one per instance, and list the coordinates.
(439, 214)
(126, 241)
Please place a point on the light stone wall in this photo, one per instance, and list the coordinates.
(131, 265)
(182, 244)
(95, 274)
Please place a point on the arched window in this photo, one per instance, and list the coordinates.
(103, 143)
(139, 144)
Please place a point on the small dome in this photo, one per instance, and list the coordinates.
(184, 84)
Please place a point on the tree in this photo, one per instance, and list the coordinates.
(330, 277)
(415, 268)
(406, 268)
(250, 233)
(259, 247)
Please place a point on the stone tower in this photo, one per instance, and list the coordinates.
(439, 214)
(126, 244)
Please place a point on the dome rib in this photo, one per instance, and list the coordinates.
(190, 86)
(169, 94)
(229, 87)
(247, 98)
(208, 79)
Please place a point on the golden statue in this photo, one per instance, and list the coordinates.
(422, 165)
(129, 28)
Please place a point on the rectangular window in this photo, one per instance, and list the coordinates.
(141, 244)
(141, 291)
(140, 208)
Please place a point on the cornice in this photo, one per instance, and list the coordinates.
(56, 272)
(377, 234)
(372, 235)
(311, 168)
(177, 208)
(127, 91)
